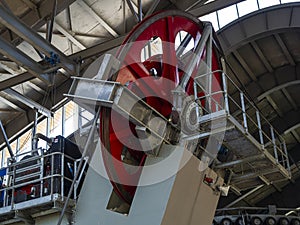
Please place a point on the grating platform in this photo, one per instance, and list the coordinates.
(251, 163)
(28, 211)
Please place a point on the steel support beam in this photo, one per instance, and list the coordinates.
(69, 36)
(6, 140)
(285, 49)
(30, 103)
(50, 22)
(296, 135)
(31, 4)
(152, 8)
(262, 56)
(278, 88)
(198, 2)
(134, 13)
(249, 175)
(289, 98)
(45, 12)
(12, 128)
(37, 18)
(244, 196)
(98, 49)
(23, 60)
(3, 58)
(213, 6)
(10, 104)
(98, 18)
(11, 67)
(295, 127)
(245, 65)
(16, 80)
(69, 27)
(239, 161)
(274, 105)
(15, 70)
(35, 87)
(84, 54)
(140, 10)
(25, 32)
(70, 31)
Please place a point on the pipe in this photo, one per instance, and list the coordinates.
(36, 138)
(34, 146)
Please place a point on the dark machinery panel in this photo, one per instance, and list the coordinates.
(71, 152)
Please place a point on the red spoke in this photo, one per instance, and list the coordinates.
(169, 53)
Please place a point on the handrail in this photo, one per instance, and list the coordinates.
(36, 179)
(255, 124)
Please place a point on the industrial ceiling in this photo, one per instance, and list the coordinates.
(45, 42)
(263, 56)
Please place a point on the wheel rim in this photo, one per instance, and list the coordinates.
(295, 222)
(257, 221)
(226, 221)
(284, 221)
(166, 26)
(270, 221)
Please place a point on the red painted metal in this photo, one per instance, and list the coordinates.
(164, 25)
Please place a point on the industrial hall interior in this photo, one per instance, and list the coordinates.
(149, 112)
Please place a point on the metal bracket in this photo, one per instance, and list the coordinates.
(89, 93)
(109, 66)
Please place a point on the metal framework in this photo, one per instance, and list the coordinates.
(48, 189)
(21, 29)
(269, 143)
(29, 102)
(21, 58)
(263, 158)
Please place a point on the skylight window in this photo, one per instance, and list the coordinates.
(247, 7)
(224, 16)
(288, 1)
(227, 15)
(212, 17)
(264, 3)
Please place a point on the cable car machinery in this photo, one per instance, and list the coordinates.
(174, 96)
(178, 96)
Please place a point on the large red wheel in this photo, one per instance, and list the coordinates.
(145, 74)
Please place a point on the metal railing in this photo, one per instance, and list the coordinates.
(38, 176)
(243, 110)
